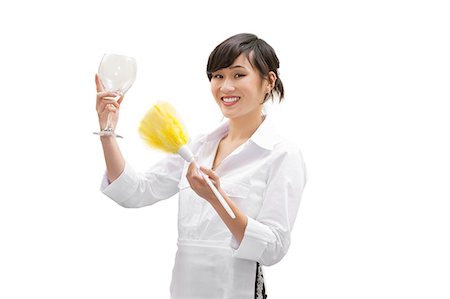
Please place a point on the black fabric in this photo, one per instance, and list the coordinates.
(259, 272)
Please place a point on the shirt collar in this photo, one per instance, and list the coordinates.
(265, 135)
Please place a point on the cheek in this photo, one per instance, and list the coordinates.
(256, 85)
(214, 89)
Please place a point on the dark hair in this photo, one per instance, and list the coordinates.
(259, 53)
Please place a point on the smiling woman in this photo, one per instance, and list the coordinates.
(260, 175)
(240, 86)
(257, 56)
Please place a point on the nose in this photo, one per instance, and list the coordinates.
(227, 86)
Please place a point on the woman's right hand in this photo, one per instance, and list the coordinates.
(107, 102)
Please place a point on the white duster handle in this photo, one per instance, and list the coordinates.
(186, 153)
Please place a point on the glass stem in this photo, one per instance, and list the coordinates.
(109, 127)
(108, 122)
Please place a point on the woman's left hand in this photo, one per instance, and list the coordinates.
(199, 185)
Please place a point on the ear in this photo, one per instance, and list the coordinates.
(271, 79)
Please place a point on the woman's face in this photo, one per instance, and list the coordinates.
(239, 89)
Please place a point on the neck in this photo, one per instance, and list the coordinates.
(244, 127)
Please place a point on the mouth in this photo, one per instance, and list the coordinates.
(230, 100)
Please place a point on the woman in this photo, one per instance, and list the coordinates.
(260, 175)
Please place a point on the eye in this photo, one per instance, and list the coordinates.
(239, 75)
(217, 76)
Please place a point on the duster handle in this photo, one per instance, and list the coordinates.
(186, 153)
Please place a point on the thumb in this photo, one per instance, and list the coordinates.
(99, 83)
(209, 172)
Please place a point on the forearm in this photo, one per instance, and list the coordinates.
(254, 240)
(114, 160)
(236, 226)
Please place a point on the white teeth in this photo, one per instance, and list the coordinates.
(229, 100)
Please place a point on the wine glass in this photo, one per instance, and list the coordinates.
(117, 73)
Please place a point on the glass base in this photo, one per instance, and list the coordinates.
(108, 133)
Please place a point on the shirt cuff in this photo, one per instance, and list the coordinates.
(256, 238)
(121, 189)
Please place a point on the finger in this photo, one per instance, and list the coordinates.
(111, 96)
(105, 97)
(120, 100)
(111, 108)
(194, 173)
(105, 102)
(209, 172)
(102, 94)
(117, 96)
(103, 107)
(191, 170)
(111, 99)
(190, 176)
(99, 83)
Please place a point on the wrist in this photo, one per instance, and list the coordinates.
(107, 139)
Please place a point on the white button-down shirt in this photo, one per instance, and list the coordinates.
(265, 177)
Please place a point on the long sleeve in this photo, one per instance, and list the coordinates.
(133, 190)
(267, 238)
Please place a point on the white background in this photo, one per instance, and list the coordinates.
(367, 93)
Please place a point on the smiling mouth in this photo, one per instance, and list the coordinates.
(228, 101)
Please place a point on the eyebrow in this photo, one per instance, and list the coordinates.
(236, 66)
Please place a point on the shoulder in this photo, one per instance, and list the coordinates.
(286, 149)
(287, 156)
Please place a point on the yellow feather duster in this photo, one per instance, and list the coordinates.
(162, 129)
